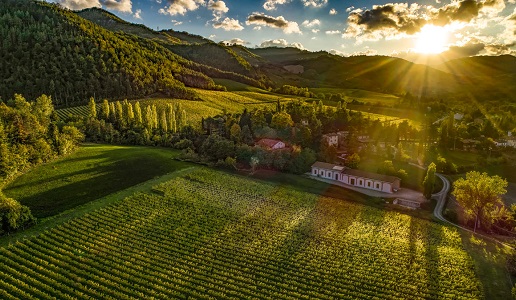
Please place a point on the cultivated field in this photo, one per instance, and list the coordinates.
(208, 234)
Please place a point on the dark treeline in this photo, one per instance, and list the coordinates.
(47, 49)
(30, 134)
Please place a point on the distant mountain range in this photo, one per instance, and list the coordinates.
(75, 55)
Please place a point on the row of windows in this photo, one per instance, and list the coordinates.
(352, 180)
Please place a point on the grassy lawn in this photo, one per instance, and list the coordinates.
(94, 171)
(360, 95)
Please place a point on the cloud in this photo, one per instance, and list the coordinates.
(138, 14)
(176, 22)
(281, 43)
(330, 32)
(509, 34)
(180, 7)
(79, 4)
(389, 20)
(228, 24)
(236, 41)
(396, 20)
(336, 52)
(278, 22)
(218, 6)
(315, 30)
(309, 24)
(272, 4)
(333, 11)
(314, 3)
(119, 5)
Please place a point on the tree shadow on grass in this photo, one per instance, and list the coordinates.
(117, 173)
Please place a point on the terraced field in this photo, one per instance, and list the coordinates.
(211, 235)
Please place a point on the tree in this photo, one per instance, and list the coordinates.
(479, 194)
(92, 108)
(353, 160)
(235, 132)
(429, 181)
(172, 125)
(281, 120)
(104, 110)
(138, 113)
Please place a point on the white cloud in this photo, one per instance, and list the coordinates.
(315, 30)
(180, 7)
(125, 6)
(138, 14)
(79, 4)
(282, 43)
(333, 11)
(176, 22)
(218, 6)
(309, 24)
(228, 24)
(331, 32)
(272, 4)
(235, 41)
(261, 19)
(314, 3)
(336, 52)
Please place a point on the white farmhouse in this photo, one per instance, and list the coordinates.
(363, 179)
(332, 139)
(271, 144)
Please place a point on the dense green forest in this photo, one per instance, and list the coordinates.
(30, 134)
(51, 50)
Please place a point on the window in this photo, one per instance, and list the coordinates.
(369, 184)
(377, 185)
(360, 182)
(336, 176)
(352, 181)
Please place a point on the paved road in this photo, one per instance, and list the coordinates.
(441, 201)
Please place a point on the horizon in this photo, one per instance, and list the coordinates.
(417, 30)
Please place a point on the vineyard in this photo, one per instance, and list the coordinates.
(211, 235)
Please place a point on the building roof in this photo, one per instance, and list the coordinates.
(375, 176)
(268, 142)
(327, 166)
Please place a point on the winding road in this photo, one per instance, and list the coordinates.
(441, 202)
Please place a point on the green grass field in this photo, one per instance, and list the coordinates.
(94, 171)
(209, 234)
(360, 95)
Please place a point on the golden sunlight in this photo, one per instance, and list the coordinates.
(431, 40)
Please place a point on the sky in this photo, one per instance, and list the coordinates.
(451, 28)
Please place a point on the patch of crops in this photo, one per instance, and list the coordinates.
(210, 235)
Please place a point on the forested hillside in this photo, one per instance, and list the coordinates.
(192, 47)
(46, 49)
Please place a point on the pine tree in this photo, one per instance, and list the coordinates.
(138, 113)
(93, 109)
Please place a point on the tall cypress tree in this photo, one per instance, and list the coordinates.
(172, 125)
(93, 108)
(104, 110)
(163, 121)
(147, 118)
(138, 113)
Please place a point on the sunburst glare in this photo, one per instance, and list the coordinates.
(431, 40)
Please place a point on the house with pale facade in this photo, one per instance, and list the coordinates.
(332, 139)
(358, 178)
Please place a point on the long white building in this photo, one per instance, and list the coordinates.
(363, 179)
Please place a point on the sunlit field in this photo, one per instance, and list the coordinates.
(208, 234)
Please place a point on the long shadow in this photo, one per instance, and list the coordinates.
(116, 175)
(433, 238)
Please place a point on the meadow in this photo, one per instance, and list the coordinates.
(92, 172)
(207, 234)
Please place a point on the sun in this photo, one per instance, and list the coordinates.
(431, 40)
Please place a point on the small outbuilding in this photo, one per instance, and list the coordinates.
(271, 144)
